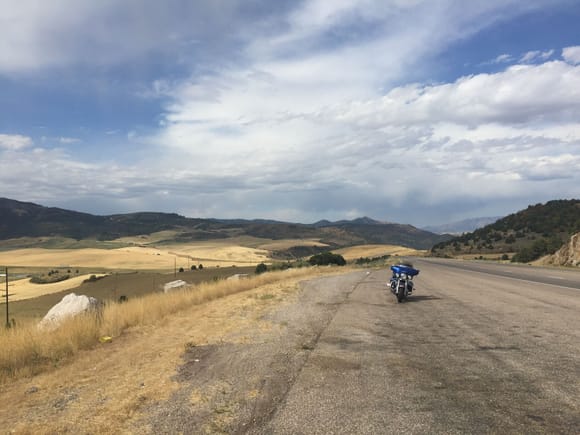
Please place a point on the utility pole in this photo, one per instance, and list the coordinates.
(6, 278)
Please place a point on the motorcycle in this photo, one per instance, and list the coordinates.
(402, 281)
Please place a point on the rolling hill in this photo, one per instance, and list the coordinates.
(26, 220)
(529, 234)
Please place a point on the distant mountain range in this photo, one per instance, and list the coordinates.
(23, 219)
(460, 227)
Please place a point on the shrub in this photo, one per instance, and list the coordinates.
(261, 268)
(510, 239)
(48, 279)
(327, 258)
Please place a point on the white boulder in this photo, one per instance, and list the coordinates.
(237, 276)
(71, 305)
(174, 285)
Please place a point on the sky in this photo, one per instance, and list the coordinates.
(412, 111)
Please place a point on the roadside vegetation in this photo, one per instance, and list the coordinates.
(372, 261)
(326, 259)
(322, 259)
(26, 350)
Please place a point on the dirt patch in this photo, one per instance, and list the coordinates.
(239, 383)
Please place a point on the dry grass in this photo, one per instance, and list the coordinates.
(27, 350)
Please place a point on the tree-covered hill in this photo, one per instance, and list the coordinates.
(538, 230)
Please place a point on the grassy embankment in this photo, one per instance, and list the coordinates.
(28, 350)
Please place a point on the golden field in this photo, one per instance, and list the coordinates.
(22, 289)
(354, 252)
(134, 258)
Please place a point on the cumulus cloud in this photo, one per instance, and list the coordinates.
(548, 92)
(427, 143)
(14, 141)
(572, 54)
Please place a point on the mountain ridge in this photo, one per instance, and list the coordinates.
(25, 219)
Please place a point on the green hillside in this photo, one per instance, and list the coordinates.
(529, 234)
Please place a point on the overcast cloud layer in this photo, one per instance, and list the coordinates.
(411, 111)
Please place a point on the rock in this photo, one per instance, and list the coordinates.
(71, 305)
(237, 276)
(569, 254)
(174, 285)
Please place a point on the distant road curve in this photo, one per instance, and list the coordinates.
(567, 278)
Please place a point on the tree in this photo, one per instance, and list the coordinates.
(200, 266)
(193, 267)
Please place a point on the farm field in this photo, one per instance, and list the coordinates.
(134, 258)
(108, 288)
(354, 252)
(133, 271)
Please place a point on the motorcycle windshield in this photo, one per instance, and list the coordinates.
(404, 269)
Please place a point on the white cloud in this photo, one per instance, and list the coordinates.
(68, 140)
(536, 56)
(503, 58)
(14, 141)
(541, 93)
(445, 141)
(62, 33)
(572, 54)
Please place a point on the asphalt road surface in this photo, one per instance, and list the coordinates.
(478, 348)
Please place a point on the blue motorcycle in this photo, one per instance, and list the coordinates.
(402, 280)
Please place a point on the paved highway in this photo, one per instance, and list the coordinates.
(559, 277)
(479, 348)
